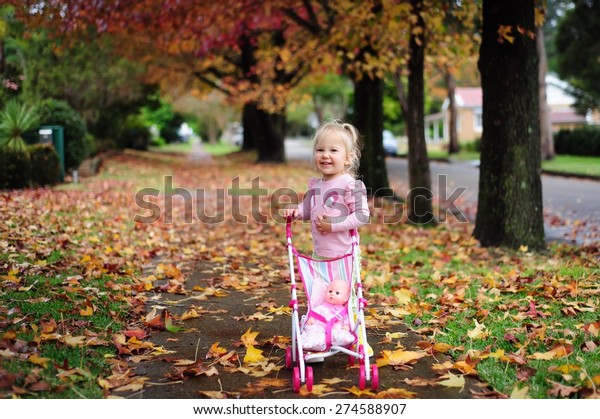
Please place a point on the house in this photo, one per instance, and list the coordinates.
(469, 103)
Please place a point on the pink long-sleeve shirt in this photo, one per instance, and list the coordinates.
(344, 200)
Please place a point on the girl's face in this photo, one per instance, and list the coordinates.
(331, 156)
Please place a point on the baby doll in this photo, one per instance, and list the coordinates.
(328, 323)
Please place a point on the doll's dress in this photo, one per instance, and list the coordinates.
(328, 328)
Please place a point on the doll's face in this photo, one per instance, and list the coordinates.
(337, 292)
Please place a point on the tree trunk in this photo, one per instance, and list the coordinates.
(263, 130)
(267, 130)
(453, 146)
(509, 211)
(250, 129)
(420, 206)
(545, 122)
(368, 119)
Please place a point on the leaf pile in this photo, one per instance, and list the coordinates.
(76, 271)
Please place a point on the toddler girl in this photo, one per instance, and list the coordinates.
(336, 202)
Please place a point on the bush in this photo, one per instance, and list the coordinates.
(578, 142)
(45, 160)
(58, 112)
(15, 168)
(473, 146)
(135, 134)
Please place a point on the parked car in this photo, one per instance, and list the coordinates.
(390, 143)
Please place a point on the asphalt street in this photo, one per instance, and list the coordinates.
(571, 204)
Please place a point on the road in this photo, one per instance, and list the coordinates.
(571, 205)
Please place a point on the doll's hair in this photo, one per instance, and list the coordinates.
(351, 137)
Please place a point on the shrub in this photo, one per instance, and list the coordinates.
(45, 160)
(58, 112)
(474, 146)
(15, 172)
(16, 119)
(135, 134)
(579, 142)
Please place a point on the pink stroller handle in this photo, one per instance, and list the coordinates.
(288, 227)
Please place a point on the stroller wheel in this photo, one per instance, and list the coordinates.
(350, 360)
(362, 377)
(309, 378)
(289, 361)
(374, 377)
(296, 379)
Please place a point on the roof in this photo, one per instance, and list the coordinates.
(556, 95)
(566, 116)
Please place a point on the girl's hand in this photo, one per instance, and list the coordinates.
(290, 212)
(323, 224)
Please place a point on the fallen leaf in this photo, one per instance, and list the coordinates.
(558, 352)
(37, 360)
(398, 357)
(253, 355)
(452, 380)
(478, 332)
(520, 393)
(249, 338)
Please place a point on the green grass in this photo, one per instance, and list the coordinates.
(448, 298)
(220, 149)
(579, 165)
(576, 165)
(181, 147)
(71, 371)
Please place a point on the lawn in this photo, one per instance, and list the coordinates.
(576, 165)
(75, 269)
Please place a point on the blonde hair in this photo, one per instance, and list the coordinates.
(349, 135)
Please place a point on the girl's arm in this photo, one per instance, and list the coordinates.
(358, 208)
(302, 210)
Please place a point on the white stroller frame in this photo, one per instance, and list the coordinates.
(297, 356)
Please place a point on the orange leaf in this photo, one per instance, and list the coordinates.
(504, 31)
(399, 357)
(37, 360)
(88, 311)
(558, 352)
(249, 338)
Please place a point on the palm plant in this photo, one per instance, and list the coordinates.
(15, 119)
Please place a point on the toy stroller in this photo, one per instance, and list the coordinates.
(317, 275)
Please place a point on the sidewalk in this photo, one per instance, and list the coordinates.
(224, 319)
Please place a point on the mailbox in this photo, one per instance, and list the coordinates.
(54, 134)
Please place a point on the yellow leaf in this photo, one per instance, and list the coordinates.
(396, 393)
(253, 355)
(74, 340)
(403, 295)
(37, 360)
(190, 314)
(520, 393)
(249, 338)
(478, 332)
(540, 16)
(453, 380)
(504, 31)
(555, 353)
(88, 311)
(398, 357)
